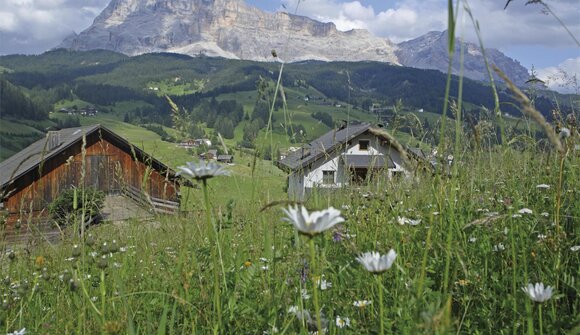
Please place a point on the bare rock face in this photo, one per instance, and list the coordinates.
(430, 52)
(226, 28)
(231, 29)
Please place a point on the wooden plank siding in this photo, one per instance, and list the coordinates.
(109, 165)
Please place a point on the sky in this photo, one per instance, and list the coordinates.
(527, 33)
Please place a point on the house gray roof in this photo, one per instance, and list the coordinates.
(322, 146)
(368, 161)
(38, 152)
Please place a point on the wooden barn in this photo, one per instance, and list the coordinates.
(85, 156)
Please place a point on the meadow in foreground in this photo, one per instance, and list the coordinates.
(465, 249)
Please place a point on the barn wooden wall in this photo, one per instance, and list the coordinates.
(107, 167)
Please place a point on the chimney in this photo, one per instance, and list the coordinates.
(53, 139)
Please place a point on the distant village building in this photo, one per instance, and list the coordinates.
(32, 178)
(195, 143)
(225, 159)
(84, 111)
(209, 155)
(343, 156)
(202, 142)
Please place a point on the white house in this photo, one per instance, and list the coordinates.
(340, 157)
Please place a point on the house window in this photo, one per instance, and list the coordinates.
(363, 145)
(327, 177)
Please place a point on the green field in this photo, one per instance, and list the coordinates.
(15, 135)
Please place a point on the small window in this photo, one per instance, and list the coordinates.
(363, 145)
(327, 177)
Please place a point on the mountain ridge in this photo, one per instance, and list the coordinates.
(232, 29)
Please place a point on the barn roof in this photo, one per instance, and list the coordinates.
(322, 146)
(32, 156)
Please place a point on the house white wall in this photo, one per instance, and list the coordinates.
(296, 185)
(311, 176)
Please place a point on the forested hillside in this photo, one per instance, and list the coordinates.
(234, 97)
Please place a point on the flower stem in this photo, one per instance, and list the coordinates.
(381, 312)
(216, 286)
(103, 289)
(315, 287)
(541, 325)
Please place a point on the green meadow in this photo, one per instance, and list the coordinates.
(234, 265)
(487, 241)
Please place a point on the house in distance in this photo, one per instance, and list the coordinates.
(346, 155)
(34, 177)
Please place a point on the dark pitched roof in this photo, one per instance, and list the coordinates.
(32, 156)
(368, 161)
(321, 146)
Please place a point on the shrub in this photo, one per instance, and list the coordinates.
(62, 208)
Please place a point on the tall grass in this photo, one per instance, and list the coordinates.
(492, 220)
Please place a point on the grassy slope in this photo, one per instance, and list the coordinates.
(15, 135)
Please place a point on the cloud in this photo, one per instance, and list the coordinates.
(32, 26)
(519, 24)
(564, 77)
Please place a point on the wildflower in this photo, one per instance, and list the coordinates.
(322, 283)
(304, 272)
(403, 221)
(472, 239)
(202, 170)
(341, 323)
(313, 223)
(293, 309)
(543, 186)
(305, 294)
(375, 263)
(337, 236)
(525, 211)
(362, 303)
(39, 261)
(545, 214)
(537, 292)
(247, 264)
(516, 216)
(575, 248)
(265, 267)
(499, 247)
(263, 259)
(18, 332)
(564, 132)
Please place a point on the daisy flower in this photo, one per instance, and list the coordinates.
(341, 323)
(375, 263)
(362, 303)
(202, 170)
(538, 292)
(314, 223)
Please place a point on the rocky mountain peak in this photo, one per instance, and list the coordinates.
(429, 51)
(226, 28)
(232, 29)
